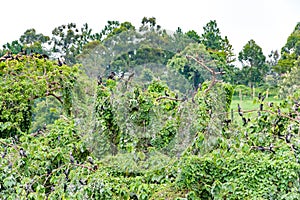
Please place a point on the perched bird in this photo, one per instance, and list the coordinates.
(61, 61)
(296, 107)
(72, 160)
(90, 159)
(166, 93)
(227, 121)
(4, 154)
(261, 107)
(82, 182)
(176, 96)
(240, 110)
(288, 138)
(10, 165)
(22, 153)
(66, 172)
(111, 76)
(122, 75)
(259, 96)
(99, 80)
(270, 104)
(246, 134)
(245, 121)
(271, 148)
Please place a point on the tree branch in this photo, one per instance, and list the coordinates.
(213, 73)
(170, 98)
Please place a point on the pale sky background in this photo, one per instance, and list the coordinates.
(268, 22)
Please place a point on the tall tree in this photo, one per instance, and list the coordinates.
(193, 35)
(254, 64)
(219, 48)
(188, 68)
(29, 42)
(69, 40)
(290, 52)
(211, 37)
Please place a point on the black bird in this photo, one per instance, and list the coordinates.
(261, 107)
(22, 153)
(61, 61)
(122, 75)
(99, 80)
(245, 121)
(166, 93)
(4, 154)
(259, 96)
(91, 160)
(72, 160)
(16, 139)
(279, 112)
(296, 107)
(270, 104)
(111, 76)
(66, 172)
(10, 165)
(246, 134)
(82, 182)
(227, 121)
(288, 138)
(176, 96)
(240, 110)
(263, 98)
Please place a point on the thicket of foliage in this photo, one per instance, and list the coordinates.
(145, 116)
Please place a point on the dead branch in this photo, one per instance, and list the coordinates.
(213, 73)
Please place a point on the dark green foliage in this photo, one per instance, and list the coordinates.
(239, 175)
(136, 135)
(26, 80)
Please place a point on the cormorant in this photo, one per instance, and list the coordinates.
(240, 110)
(166, 93)
(90, 160)
(261, 107)
(176, 96)
(99, 80)
(61, 61)
(111, 76)
(22, 153)
(72, 160)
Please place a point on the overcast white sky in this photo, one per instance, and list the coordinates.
(268, 22)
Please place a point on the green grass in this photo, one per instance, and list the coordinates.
(248, 104)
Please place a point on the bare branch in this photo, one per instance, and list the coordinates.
(213, 73)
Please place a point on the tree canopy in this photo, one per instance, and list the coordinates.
(142, 113)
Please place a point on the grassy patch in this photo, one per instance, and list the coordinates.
(247, 104)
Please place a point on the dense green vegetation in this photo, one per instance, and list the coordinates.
(139, 113)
